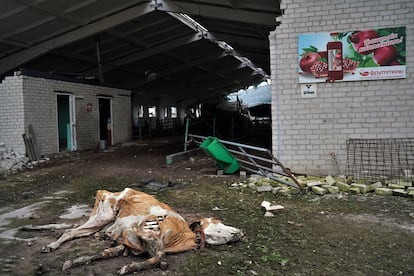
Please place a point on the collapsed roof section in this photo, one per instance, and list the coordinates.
(156, 46)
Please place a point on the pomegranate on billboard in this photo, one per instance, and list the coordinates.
(352, 56)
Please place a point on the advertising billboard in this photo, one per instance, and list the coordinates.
(359, 55)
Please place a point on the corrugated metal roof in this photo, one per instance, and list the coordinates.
(143, 45)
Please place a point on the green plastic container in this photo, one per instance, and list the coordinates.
(224, 160)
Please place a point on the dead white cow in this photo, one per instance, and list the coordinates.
(142, 224)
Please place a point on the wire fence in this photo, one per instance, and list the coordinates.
(385, 160)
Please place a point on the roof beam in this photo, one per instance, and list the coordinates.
(218, 12)
(18, 58)
(54, 12)
(172, 44)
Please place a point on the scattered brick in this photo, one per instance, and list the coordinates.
(399, 192)
(343, 187)
(330, 180)
(362, 187)
(383, 191)
(372, 187)
(318, 190)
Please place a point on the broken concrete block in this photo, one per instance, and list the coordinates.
(409, 189)
(362, 187)
(266, 188)
(383, 191)
(399, 192)
(411, 194)
(265, 204)
(269, 214)
(406, 183)
(396, 186)
(330, 180)
(312, 184)
(251, 185)
(373, 186)
(343, 187)
(243, 174)
(275, 190)
(318, 190)
(331, 189)
(269, 207)
(354, 190)
(284, 191)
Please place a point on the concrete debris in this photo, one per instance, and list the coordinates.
(396, 186)
(334, 186)
(383, 191)
(331, 189)
(12, 161)
(343, 187)
(312, 184)
(318, 190)
(330, 180)
(399, 192)
(373, 186)
(270, 208)
(362, 187)
(266, 188)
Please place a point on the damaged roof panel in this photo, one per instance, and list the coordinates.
(157, 45)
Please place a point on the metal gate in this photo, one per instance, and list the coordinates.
(256, 160)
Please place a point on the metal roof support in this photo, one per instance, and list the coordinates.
(172, 44)
(218, 12)
(98, 59)
(12, 61)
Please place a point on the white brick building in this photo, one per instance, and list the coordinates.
(28, 100)
(307, 131)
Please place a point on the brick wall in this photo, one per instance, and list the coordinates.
(11, 114)
(37, 98)
(305, 131)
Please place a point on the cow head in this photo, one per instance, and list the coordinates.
(216, 233)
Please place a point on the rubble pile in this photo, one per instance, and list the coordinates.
(12, 161)
(330, 185)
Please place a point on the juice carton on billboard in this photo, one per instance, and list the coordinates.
(352, 56)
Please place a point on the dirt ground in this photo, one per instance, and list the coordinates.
(330, 235)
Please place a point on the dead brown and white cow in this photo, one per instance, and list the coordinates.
(142, 224)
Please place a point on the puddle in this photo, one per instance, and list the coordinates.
(64, 192)
(76, 211)
(10, 234)
(73, 212)
(25, 212)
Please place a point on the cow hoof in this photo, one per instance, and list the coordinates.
(46, 249)
(123, 270)
(68, 264)
(163, 265)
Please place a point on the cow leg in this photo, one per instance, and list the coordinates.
(107, 253)
(102, 213)
(149, 233)
(91, 226)
(138, 266)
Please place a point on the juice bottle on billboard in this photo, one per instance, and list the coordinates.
(335, 68)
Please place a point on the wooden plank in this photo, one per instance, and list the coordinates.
(29, 149)
(35, 147)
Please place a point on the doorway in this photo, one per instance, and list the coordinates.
(66, 122)
(105, 120)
